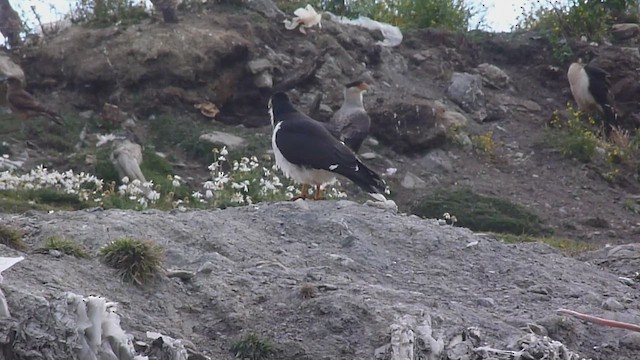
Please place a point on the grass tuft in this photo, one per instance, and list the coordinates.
(66, 246)
(252, 347)
(137, 261)
(12, 238)
(566, 246)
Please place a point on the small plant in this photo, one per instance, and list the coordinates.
(12, 238)
(66, 246)
(574, 137)
(566, 246)
(252, 347)
(136, 260)
(485, 144)
(308, 291)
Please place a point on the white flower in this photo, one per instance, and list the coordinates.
(209, 185)
(224, 151)
(153, 195)
(244, 185)
(208, 194)
(176, 181)
(196, 195)
(125, 180)
(237, 198)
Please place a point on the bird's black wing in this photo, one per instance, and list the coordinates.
(356, 130)
(600, 89)
(598, 84)
(307, 142)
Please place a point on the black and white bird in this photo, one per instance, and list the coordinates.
(351, 121)
(306, 152)
(591, 89)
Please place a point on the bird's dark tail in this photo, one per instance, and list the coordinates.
(365, 178)
(55, 117)
(611, 118)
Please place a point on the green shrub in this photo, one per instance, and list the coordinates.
(252, 347)
(135, 260)
(575, 18)
(108, 12)
(480, 213)
(574, 137)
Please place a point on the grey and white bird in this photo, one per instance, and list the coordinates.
(306, 152)
(351, 121)
(591, 90)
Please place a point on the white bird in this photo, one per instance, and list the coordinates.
(305, 17)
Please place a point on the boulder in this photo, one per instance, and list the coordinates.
(466, 91)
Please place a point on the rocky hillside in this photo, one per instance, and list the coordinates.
(378, 286)
(327, 280)
(448, 109)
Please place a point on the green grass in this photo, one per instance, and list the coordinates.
(12, 238)
(565, 245)
(136, 261)
(479, 212)
(15, 201)
(65, 246)
(252, 347)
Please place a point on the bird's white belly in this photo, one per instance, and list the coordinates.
(579, 84)
(298, 173)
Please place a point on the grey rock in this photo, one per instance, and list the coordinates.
(368, 155)
(486, 302)
(222, 138)
(625, 31)
(259, 65)
(612, 305)
(466, 91)
(206, 268)
(264, 80)
(413, 181)
(55, 253)
(436, 161)
(493, 76)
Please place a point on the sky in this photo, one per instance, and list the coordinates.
(500, 15)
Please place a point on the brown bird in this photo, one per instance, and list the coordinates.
(22, 103)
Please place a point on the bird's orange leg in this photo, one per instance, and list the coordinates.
(318, 193)
(303, 193)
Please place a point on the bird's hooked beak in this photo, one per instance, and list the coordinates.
(363, 86)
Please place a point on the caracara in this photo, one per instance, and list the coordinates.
(351, 121)
(24, 104)
(592, 91)
(306, 152)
